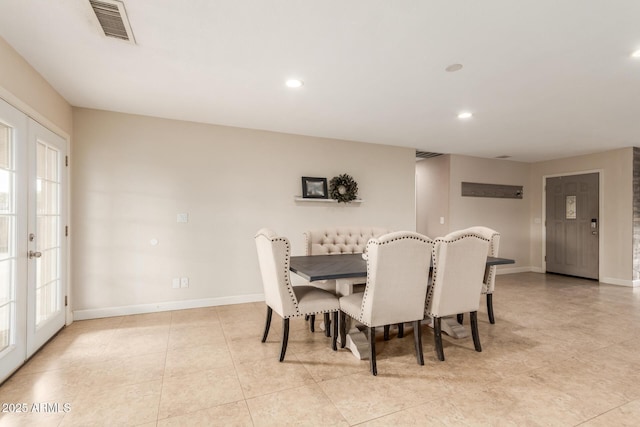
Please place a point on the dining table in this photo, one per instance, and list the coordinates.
(349, 271)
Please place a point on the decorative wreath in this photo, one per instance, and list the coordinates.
(343, 188)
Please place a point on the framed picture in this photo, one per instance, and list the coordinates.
(314, 188)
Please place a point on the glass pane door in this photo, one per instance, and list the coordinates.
(48, 232)
(46, 239)
(7, 237)
(13, 268)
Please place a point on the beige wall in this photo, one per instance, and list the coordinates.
(432, 196)
(438, 188)
(134, 174)
(616, 209)
(508, 216)
(27, 90)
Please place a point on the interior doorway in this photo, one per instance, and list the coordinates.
(573, 225)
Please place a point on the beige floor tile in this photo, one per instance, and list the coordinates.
(205, 316)
(563, 351)
(128, 405)
(622, 416)
(300, 406)
(189, 360)
(44, 386)
(252, 349)
(439, 412)
(197, 391)
(60, 355)
(269, 375)
(128, 343)
(234, 414)
(181, 337)
(40, 414)
(127, 370)
(162, 318)
(363, 397)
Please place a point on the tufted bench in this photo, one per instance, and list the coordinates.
(340, 240)
(335, 241)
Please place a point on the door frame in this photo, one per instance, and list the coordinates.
(601, 226)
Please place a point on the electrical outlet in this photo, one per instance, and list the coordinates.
(184, 282)
(182, 218)
(176, 283)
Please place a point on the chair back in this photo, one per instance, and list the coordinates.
(459, 260)
(397, 278)
(494, 244)
(273, 255)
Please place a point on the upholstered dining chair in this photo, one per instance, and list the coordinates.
(337, 241)
(397, 278)
(489, 281)
(280, 296)
(459, 260)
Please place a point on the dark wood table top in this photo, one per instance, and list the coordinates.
(344, 266)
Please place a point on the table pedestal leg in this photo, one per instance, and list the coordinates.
(451, 327)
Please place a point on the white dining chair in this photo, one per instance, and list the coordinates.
(459, 260)
(289, 301)
(489, 281)
(397, 278)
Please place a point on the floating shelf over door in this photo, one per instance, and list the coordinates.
(303, 199)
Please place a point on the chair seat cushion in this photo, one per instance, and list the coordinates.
(312, 300)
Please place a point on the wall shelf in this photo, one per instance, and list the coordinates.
(302, 199)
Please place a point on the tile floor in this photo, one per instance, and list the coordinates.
(563, 352)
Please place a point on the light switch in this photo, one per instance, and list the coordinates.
(183, 217)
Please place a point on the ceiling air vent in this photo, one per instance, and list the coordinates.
(426, 154)
(112, 18)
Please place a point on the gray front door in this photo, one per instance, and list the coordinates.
(573, 225)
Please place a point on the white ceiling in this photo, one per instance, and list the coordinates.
(544, 78)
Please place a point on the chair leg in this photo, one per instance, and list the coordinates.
(460, 318)
(492, 319)
(343, 329)
(334, 338)
(437, 334)
(417, 338)
(285, 338)
(267, 324)
(327, 324)
(400, 330)
(473, 316)
(312, 322)
(372, 351)
(386, 332)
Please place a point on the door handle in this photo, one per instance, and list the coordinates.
(33, 254)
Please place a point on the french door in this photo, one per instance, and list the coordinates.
(32, 242)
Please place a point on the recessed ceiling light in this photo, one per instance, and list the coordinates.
(636, 54)
(465, 115)
(453, 67)
(294, 83)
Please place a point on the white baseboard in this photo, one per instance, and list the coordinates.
(620, 282)
(96, 313)
(511, 270)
